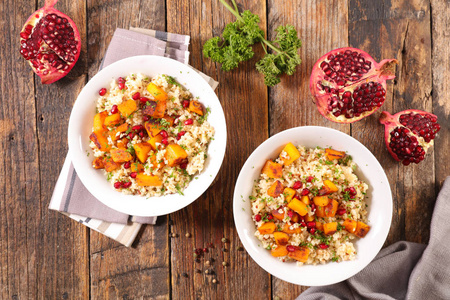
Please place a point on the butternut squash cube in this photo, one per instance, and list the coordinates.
(175, 154)
(112, 120)
(288, 194)
(154, 140)
(267, 228)
(298, 206)
(121, 128)
(123, 143)
(277, 215)
(142, 150)
(295, 217)
(292, 152)
(350, 225)
(319, 225)
(328, 188)
(361, 229)
(155, 163)
(157, 92)
(272, 169)
(100, 141)
(137, 167)
(275, 189)
(196, 107)
(99, 121)
(321, 200)
(300, 253)
(148, 180)
(306, 200)
(328, 210)
(281, 238)
(330, 228)
(334, 154)
(110, 165)
(309, 218)
(279, 251)
(127, 107)
(287, 229)
(120, 155)
(153, 127)
(98, 163)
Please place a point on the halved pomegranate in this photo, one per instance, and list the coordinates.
(50, 42)
(409, 133)
(348, 84)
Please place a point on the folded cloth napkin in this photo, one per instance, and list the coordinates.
(403, 270)
(70, 197)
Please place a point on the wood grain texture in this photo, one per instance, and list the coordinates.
(322, 26)
(244, 99)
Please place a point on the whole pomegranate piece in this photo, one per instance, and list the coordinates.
(50, 42)
(409, 133)
(348, 84)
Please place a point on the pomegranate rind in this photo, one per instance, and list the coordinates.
(379, 72)
(33, 20)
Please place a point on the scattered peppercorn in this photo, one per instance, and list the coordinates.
(224, 264)
(188, 235)
(214, 281)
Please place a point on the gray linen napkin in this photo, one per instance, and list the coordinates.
(403, 270)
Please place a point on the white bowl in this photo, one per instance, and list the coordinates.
(81, 122)
(369, 170)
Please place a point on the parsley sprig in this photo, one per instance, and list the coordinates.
(237, 39)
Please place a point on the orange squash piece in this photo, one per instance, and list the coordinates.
(127, 107)
(277, 215)
(327, 211)
(328, 188)
(300, 254)
(309, 218)
(154, 163)
(267, 228)
(120, 155)
(287, 229)
(350, 225)
(361, 229)
(123, 143)
(298, 206)
(288, 194)
(148, 180)
(279, 251)
(112, 120)
(175, 154)
(154, 140)
(100, 141)
(319, 225)
(306, 200)
(99, 121)
(334, 154)
(292, 152)
(321, 200)
(110, 165)
(121, 128)
(281, 238)
(142, 151)
(275, 189)
(272, 169)
(330, 228)
(196, 107)
(137, 167)
(97, 163)
(157, 92)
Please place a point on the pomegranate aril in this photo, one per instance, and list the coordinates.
(180, 134)
(117, 184)
(120, 80)
(133, 174)
(269, 217)
(165, 141)
(323, 246)
(114, 109)
(183, 166)
(290, 248)
(257, 218)
(341, 211)
(126, 184)
(136, 96)
(305, 192)
(137, 127)
(309, 179)
(144, 99)
(188, 122)
(127, 165)
(297, 185)
(185, 103)
(121, 86)
(145, 118)
(312, 230)
(311, 224)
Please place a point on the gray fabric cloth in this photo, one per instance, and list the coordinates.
(403, 270)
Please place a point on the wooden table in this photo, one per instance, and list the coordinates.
(46, 255)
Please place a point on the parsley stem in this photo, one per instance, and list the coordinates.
(235, 12)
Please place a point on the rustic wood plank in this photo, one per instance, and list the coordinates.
(143, 270)
(441, 83)
(244, 99)
(400, 30)
(322, 26)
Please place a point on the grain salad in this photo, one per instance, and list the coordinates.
(309, 206)
(150, 136)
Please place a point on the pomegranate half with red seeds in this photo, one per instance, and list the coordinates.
(408, 134)
(50, 42)
(348, 84)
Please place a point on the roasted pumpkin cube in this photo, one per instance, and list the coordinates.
(121, 155)
(97, 163)
(309, 218)
(99, 121)
(196, 107)
(279, 251)
(287, 229)
(298, 206)
(288, 194)
(300, 253)
(153, 127)
(148, 180)
(175, 155)
(123, 143)
(272, 169)
(319, 225)
(277, 215)
(267, 228)
(321, 200)
(110, 164)
(160, 109)
(361, 229)
(100, 140)
(127, 107)
(275, 189)
(281, 238)
(137, 167)
(328, 188)
(295, 217)
(350, 225)
(155, 163)
(328, 210)
(305, 199)
(149, 108)
(292, 152)
(330, 228)
(142, 151)
(155, 140)
(334, 154)
(121, 128)
(113, 120)
(157, 92)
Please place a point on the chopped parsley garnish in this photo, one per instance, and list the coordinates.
(205, 116)
(171, 80)
(179, 189)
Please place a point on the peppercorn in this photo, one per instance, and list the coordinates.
(188, 235)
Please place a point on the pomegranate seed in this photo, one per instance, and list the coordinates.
(163, 133)
(133, 174)
(312, 230)
(311, 224)
(180, 134)
(126, 184)
(341, 211)
(144, 99)
(313, 207)
(323, 246)
(165, 141)
(183, 166)
(121, 80)
(142, 134)
(145, 118)
(296, 197)
(297, 185)
(188, 122)
(303, 224)
(136, 96)
(351, 191)
(117, 184)
(290, 248)
(137, 127)
(185, 103)
(121, 86)
(258, 218)
(102, 92)
(127, 165)
(309, 179)
(269, 217)
(131, 135)
(305, 192)
(290, 213)
(114, 109)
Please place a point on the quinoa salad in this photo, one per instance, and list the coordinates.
(150, 135)
(309, 206)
